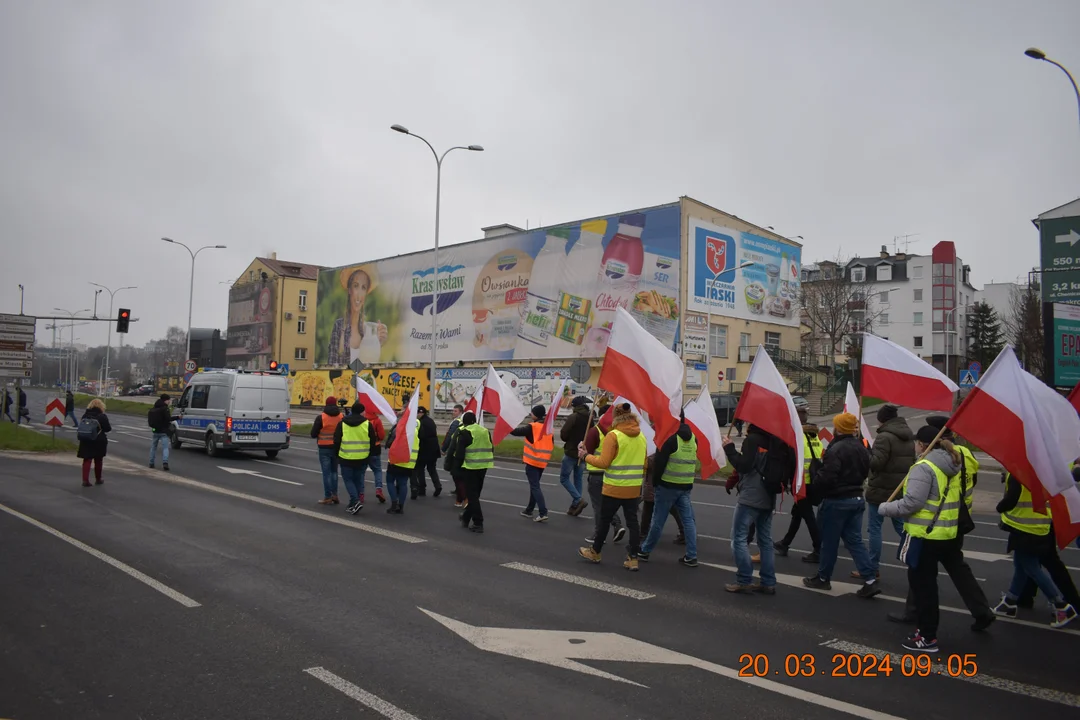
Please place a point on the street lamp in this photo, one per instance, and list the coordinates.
(708, 341)
(435, 277)
(1037, 54)
(191, 290)
(108, 348)
(946, 332)
(71, 365)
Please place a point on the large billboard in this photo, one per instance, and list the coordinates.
(251, 325)
(532, 385)
(742, 275)
(310, 388)
(1066, 356)
(551, 293)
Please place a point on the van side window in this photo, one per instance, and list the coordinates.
(219, 397)
(199, 396)
(185, 398)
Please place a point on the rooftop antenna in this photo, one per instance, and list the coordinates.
(903, 240)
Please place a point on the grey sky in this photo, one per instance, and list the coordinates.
(265, 126)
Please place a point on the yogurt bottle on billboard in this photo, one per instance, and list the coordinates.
(541, 303)
(617, 280)
(577, 288)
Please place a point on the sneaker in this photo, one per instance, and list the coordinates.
(680, 540)
(99, 481)
(1062, 615)
(619, 534)
(869, 590)
(165, 467)
(814, 582)
(780, 549)
(1005, 608)
(917, 643)
(577, 509)
(525, 513)
(540, 518)
(631, 564)
(755, 558)
(438, 492)
(812, 558)
(328, 501)
(739, 588)
(763, 589)
(459, 505)
(392, 510)
(688, 562)
(981, 623)
(643, 556)
(379, 495)
(589, 554)
(855, 574)
(361, 500)
(478, 529)
(355, 508)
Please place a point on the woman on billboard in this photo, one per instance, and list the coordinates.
(353, 338)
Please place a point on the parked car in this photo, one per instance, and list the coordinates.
(801, 402)
(724, 404)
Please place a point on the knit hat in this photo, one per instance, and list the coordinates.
(938, 422)
(621, 414)
(927, 433)
(357, 408)
(845, 424)
(579, 400)
(468, 418)
(331, 401)
(887, 413)
(539, 412)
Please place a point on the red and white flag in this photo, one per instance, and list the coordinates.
(503, 403)
(647, 430)
(1032, 431)
(475, 402)
(851, 405)
(639, 367)
(1074, 397)
(897, 375)
(556, 403)
(371, 399)
(701, 417)
(766, 402)
(407, 427)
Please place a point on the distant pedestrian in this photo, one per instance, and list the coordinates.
(474, 455)
(93, 441)
(572, 470)
(595, 475)
(447, 451)
(7, 405)
(535, 454)
(673, 476)
(24, 407)
(353, 439)
(375, 461)
(69, 409)
(160, 419)
(428, 457)
(803, 510)
(323, 430)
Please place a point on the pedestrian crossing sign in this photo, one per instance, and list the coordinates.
(968, 378)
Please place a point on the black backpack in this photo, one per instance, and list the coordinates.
(89, 429)
(760, 470)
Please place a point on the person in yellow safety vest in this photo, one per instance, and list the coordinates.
(594, 476)
(930, 506)
(673, 477)
(536, 455)
(474, 455)
(803, 510)
(622, 458)
(1052, 562)
(399, 476)
(1031, 536)
(354, 438)
(322, 430)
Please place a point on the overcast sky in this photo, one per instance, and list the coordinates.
(265, 126)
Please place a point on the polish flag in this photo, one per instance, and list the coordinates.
(1074, 397)
(371, 398)
(766, 402)
(638, 366)
(851, 405)
(475, 401)
(556, 403)
(898, 376)
(1032, 431)
(502, 402)
(701, 417)
(401, 448)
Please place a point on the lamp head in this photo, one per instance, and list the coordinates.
(476, 148)
(400, 128)
(1035, 53)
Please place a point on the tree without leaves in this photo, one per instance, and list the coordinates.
(1024, 328)
(986, 337)
(834, 307)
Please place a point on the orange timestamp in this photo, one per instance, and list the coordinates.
(855, 665)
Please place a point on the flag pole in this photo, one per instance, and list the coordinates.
(931, 446)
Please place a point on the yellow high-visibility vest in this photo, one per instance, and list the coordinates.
(682, 463)
(1024, 518)
(628, 467)
(479, 455)
(948, 521)
(355, 441)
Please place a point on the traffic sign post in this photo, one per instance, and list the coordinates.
(720, 376)
(17, 352)
(1059, 241)
(190, 366)
(970, 377)
(54, 415)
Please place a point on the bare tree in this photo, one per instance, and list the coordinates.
(834, 307)
(1024, 328)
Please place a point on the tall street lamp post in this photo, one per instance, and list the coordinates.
(1037, 54)
(191, 290)
(108, 347)
(71, 365)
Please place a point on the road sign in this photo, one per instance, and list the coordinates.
(976, 367)
(16, 355)
(18, 320)
(580, 371)
(17, 364)
(701, 366)
(358, 366)
(10, 373)
(54, 413)
(187, 377)
(720, 375)
(16, 345)
(968, 378)
(1058, 238)
(190, 365)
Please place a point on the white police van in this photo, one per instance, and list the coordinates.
(226, 410)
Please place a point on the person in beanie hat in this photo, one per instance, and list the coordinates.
(354, 438)
(891, 457)
(160, 420)
(536, 454)
(594, 475)
(323, 430)
(473, 465)
(845, 466)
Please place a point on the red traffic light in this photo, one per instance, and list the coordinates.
(273, 365)
(124, 313)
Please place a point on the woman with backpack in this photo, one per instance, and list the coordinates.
(93, 443)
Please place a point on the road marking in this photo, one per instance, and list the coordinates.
(242, 471)
(412, 539)
(122, 567)
(291, 467)
(578, 580)
(1017, 688)
(965, 611)
(838, 587)
(361, 696)
(563, 649)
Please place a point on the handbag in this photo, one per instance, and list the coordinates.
(966, 524)
(910, 549)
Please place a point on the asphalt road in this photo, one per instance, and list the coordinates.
(219, 591)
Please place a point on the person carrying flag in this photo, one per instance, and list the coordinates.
(474, 455)
(536, 454)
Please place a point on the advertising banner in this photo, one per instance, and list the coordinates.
(251, 324)
(766, 291)
(1066, 345)
(550, 293)
(310, 388)
(695, 334)
(534, 386)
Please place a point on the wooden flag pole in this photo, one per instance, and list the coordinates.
(931, 446)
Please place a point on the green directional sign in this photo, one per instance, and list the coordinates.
(1059, 240)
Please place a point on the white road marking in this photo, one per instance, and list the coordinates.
(578, 580)
(1012, 686)
(291, 467)
(252, 473)
(838, 587)
(965, 611)
(361, 696)
(122, 567)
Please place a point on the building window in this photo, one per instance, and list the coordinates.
(884, 272)
(883, 319)
(301, 325)
(301, 354)
(772, 339)
(858, 274)
(939, 320)
(917, 341)
(918, 295)
(303, 300)
(916, 272)
(918, 318)
(718, 340)
(883, 296)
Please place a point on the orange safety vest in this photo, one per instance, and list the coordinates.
(329, 425)
(538, 452)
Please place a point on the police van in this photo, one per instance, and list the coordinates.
(226, 410)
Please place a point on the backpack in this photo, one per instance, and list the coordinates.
(758, 472)
(89, 430)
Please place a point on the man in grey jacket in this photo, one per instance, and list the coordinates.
(892, 456)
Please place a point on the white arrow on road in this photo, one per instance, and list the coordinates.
(241, 471)
(562, 649)
(1070, 237)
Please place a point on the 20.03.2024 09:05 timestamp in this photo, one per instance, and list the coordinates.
(869, 665)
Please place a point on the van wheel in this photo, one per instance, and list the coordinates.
(211, 446)
(174, 441)
(271, 454)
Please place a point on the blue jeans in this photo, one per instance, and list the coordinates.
(744, 518)
(375, 463)
(571, 464)
(75, 420)
(328, 461)
(842, 518)
(354, 481)
(1026, 565)
(159, 439)
(665, 499)
(873, 532)
(536, 495)
(397, 484)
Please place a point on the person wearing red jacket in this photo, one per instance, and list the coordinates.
(375, 460)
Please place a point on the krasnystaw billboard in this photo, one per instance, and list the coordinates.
(551, 293)
(767, 289)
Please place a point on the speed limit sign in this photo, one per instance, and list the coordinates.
(720, 376)
(190, 366)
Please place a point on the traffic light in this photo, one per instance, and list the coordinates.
(123, 319)
(273, 365)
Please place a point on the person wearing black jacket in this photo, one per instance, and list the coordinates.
(572, 434)
(160, 421)
(671, 495)
(94, 451)
(69, 408)
(7, 405)
(447, 451)
(473, 479)
(352, 470)
(845, 466)
(427, 457)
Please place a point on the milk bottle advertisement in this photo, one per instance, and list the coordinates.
(742, 275)
(550, 293)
